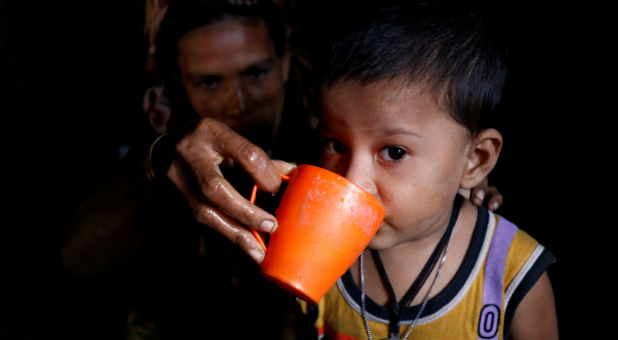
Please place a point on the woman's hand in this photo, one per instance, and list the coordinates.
(483, 193)
(195, 172)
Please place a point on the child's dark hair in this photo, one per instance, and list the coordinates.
(445, 48)
(183, 16)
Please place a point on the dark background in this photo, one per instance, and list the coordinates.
(70, 95)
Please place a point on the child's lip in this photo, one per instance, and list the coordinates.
(383, 224)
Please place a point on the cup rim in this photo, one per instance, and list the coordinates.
(346, 180)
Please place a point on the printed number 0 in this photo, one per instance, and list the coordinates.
(489, 321)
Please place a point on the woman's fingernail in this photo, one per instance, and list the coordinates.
(480, 195)
(257, 255)
(268, 226)
(291, 166)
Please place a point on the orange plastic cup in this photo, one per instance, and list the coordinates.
(325, 223)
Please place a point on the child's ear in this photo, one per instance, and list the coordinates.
(482, 157)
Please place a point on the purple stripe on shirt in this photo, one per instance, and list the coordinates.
(494, 277)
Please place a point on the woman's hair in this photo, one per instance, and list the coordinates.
(444, 48)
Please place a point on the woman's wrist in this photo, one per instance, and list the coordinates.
(159, 157)
(161, 151)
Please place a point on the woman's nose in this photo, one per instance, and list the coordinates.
(236, 104)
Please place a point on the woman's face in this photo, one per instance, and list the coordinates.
(230, 72)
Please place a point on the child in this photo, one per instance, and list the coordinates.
(403, 98)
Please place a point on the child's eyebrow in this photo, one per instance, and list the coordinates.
(380, 132)
(398, 131)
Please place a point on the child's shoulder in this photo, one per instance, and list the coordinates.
(507, 235)
(499, 246)
(516, 248)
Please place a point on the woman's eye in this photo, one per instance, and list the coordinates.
(393, 153)
(258, 73)
(208, 82)
(333, 146)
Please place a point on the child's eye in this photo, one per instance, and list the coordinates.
(333, 146)
(393, 153)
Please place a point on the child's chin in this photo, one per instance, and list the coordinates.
(379, 242)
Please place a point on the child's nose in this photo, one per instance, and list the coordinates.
(361, 174)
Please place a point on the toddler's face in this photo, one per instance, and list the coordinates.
(399, 144)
